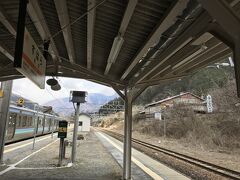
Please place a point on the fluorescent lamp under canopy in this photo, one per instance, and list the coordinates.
(116, 47)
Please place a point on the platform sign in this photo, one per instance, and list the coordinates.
(33, 63)
(62, 129)
(20, 101)
(209, 104)
(158, 115)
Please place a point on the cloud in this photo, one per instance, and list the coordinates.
(29, 90)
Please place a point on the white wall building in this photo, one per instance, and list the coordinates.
(84, 122)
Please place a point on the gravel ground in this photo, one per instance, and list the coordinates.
(2, 167)
(93, 162)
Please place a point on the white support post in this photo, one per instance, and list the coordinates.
(236, 59)
(35, 124)
(129, 96)
(127, 154)
(4, 107)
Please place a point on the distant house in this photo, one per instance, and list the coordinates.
(153, 110)
(84, 122)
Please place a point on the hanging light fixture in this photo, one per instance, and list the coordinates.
(56, 87)
(52, 82)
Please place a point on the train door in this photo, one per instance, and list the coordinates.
(39, 125)
(56, 124)
(50, 124)
(43, 123)
(36, 124)
(11, 125)
(46, 125)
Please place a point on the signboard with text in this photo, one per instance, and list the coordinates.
(209, 104)
(62, 129)
(157, 115)
(33, 63)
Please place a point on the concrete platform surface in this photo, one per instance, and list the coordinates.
(99, 156)
(143, 166)
(93, 162)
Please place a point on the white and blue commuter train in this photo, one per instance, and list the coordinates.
(21, 123)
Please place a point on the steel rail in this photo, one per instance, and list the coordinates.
(197, 162)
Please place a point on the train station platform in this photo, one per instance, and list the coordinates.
(93, 162)
(99, 156)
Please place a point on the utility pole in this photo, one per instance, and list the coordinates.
(74, 145)
(6, 87)
(76, 97)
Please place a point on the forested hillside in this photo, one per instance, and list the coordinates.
(200, 83)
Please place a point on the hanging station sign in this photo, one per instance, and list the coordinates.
(33, 63)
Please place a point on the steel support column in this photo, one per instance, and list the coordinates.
(127, 151)
(20, 33)
(4, 106)
(130, 94)
(236, 59)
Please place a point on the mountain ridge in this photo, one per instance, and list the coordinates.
(94, 102)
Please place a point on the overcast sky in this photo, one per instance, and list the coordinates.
(29, 90)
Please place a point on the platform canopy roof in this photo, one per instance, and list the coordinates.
(121, 43)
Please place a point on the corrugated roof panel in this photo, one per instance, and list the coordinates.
(171, 34)
(51, 18)
(4, 60)
(77, 8)
(7, 39)
(107, 23)
(11, 9)
(147, 15)
(33, 31)
(139, 29)
(236, 8)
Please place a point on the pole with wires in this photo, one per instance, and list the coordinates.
(74, 144)
(76, 97)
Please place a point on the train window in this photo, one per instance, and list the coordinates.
(49, 125)
(46, 121)
(24, 121)
(29, 120)
(12, 118)
(19, 120)
(40, 121)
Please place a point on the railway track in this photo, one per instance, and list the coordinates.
(228, 173)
